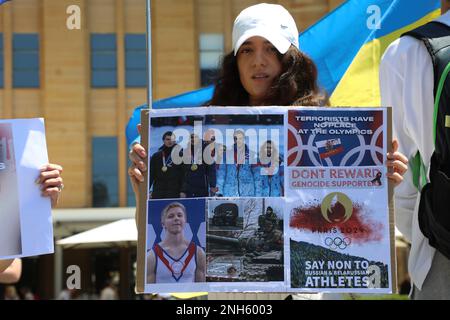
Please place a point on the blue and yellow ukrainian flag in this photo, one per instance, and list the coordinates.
(3, 1)
(349, 57)
(346, 46)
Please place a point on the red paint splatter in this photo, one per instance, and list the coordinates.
(358, 227)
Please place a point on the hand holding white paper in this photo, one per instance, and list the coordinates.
(28, 213)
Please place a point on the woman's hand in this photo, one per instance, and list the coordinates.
(397, 164)
(51, 182)
(137, 168)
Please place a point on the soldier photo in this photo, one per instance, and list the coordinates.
(255, 253)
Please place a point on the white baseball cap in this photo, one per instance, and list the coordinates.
(270, 21)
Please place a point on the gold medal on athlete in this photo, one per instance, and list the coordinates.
(194, 167)
(164, 167)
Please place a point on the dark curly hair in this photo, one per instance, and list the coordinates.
(297, 84)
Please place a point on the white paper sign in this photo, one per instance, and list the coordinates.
(26, 227)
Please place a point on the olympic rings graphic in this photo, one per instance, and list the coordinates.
(337, 243)
(360, 151)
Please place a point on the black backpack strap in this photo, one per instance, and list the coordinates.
(436, 37)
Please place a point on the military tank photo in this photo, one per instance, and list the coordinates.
(225, 216)
(255, 254)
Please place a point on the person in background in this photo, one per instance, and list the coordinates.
(109, 292)
(407, 83)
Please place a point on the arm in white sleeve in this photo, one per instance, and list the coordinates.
(405, 85)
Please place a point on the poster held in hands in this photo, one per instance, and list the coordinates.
(273, 199)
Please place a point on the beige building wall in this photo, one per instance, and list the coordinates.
(64, 96)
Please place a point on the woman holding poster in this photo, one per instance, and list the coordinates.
(267, 68)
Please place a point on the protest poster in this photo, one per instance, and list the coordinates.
(337, 200)
(270, 199)
(26, 224)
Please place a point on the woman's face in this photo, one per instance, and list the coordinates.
(174, 220)
(258, 66)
